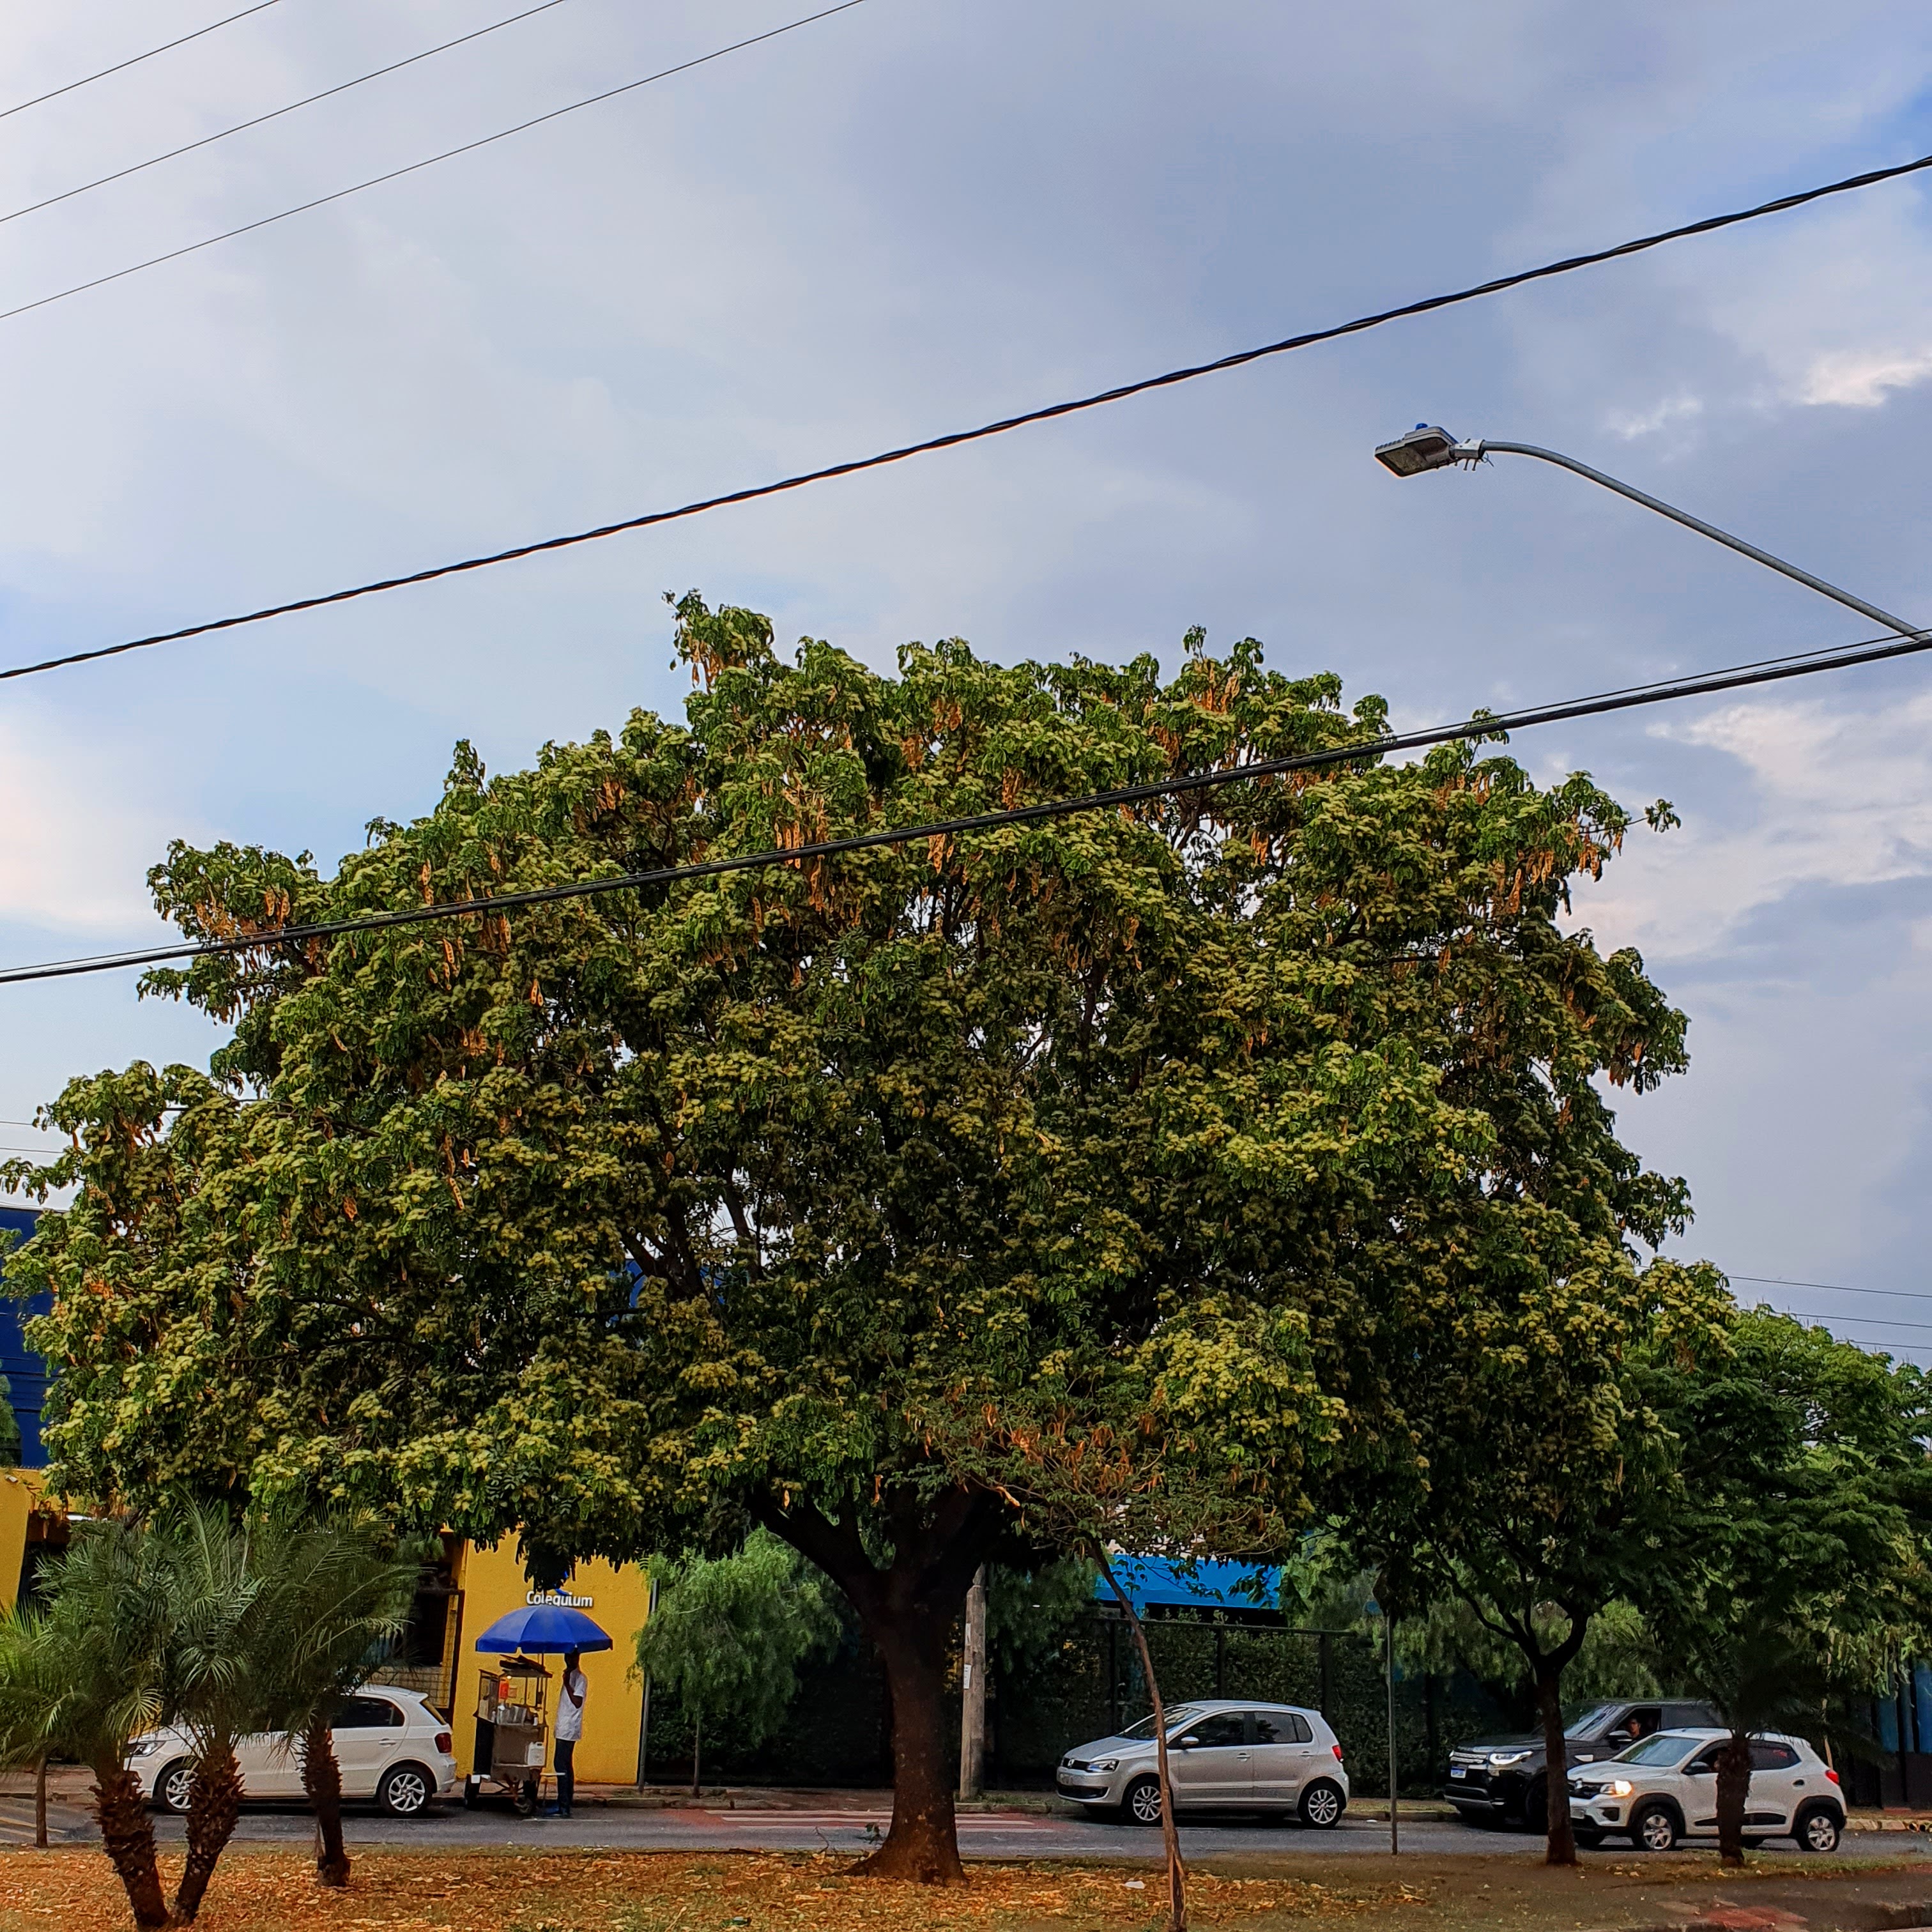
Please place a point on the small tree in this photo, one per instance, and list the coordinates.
(337, 1600)
(1553, 1462)
(728, 1634)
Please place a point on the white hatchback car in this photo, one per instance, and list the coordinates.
(1664, 1787)
(1223, 1755)
(392, 1745)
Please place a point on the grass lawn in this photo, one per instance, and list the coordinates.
(73, 1890)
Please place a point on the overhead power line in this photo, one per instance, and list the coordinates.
(275, 114)
(1858, 1321)
(1669, 690)
(1833, 1287)
(1050, 412)
(416, 167)
(86, 80)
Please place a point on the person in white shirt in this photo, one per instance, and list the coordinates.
(575, 1689)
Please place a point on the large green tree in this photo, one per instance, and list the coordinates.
(1804, 1567)
(1212, 1120)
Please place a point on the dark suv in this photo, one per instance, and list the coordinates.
(1506, 1777)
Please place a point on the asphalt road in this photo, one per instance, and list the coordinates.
(1010, 1834)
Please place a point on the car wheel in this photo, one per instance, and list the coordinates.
(1536, 1806)
(1140, 1803)
(405, 1791)
(1819, 1830)
(172, 1786)
(1654, 1828)
(1322, 1803)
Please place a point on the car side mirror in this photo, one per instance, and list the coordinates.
(1703, 1770)
(1188, 1743)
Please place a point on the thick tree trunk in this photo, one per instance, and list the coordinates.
(127, 1837)
(923, 1843)
(322, 1779)
(1560, 1846)
(1733, 1790)
(213, 1807)
(40, 1805)
(908, 1611)
(1177, 1875)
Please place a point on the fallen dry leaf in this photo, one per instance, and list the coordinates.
(73, 1889)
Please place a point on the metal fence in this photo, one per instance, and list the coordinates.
(839, 1729)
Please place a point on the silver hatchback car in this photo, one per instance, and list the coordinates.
(1224, 1754)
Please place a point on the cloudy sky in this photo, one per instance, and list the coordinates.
(922, 213)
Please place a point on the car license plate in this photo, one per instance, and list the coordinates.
(1458, 1770)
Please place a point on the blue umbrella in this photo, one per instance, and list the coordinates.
(543, 1627)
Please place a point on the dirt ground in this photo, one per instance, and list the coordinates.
(73, 1890)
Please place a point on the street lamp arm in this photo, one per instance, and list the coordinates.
(1482, 446)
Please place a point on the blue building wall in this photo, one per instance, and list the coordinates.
(26, 1374)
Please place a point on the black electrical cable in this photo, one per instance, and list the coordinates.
(1861, 1320)
(275, 114)
(416, 167)
(1486, 725)
(86, 80)
(954, 439)
(1833, 1287)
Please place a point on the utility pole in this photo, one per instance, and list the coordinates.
(1388, 1639)
(972, 1692)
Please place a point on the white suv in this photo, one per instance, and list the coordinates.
(1223, 1755)
(1664, 1788)
(393, 1745)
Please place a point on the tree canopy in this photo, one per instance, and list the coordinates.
(1220, 1127)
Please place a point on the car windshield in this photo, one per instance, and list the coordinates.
(1177, 1714)
(1662, 1748)
(1585, 1724)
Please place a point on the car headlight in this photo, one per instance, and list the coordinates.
(1620, 1787)
(1105, 1764)
(1501, 1758)
(144, 1747)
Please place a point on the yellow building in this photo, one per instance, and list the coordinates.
(489, 1584)
(27, 1531)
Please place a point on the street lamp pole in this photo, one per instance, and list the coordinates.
(1428, 447)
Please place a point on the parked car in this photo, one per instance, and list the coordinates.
(1665, 1788)
(1499, 1778)
(392, 1745)
(1223, 1755)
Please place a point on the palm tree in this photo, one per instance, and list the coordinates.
(30, 1678)
(219, 1580)
(87, 1675)
(336, 1603)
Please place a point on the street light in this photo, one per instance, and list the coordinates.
(1428, 446)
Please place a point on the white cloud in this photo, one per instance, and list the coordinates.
(79, 841)
(1859, 378)
(1673, 411)
(1841, 798)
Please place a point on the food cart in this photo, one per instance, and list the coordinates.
(513, 1713)
(512, 1730)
